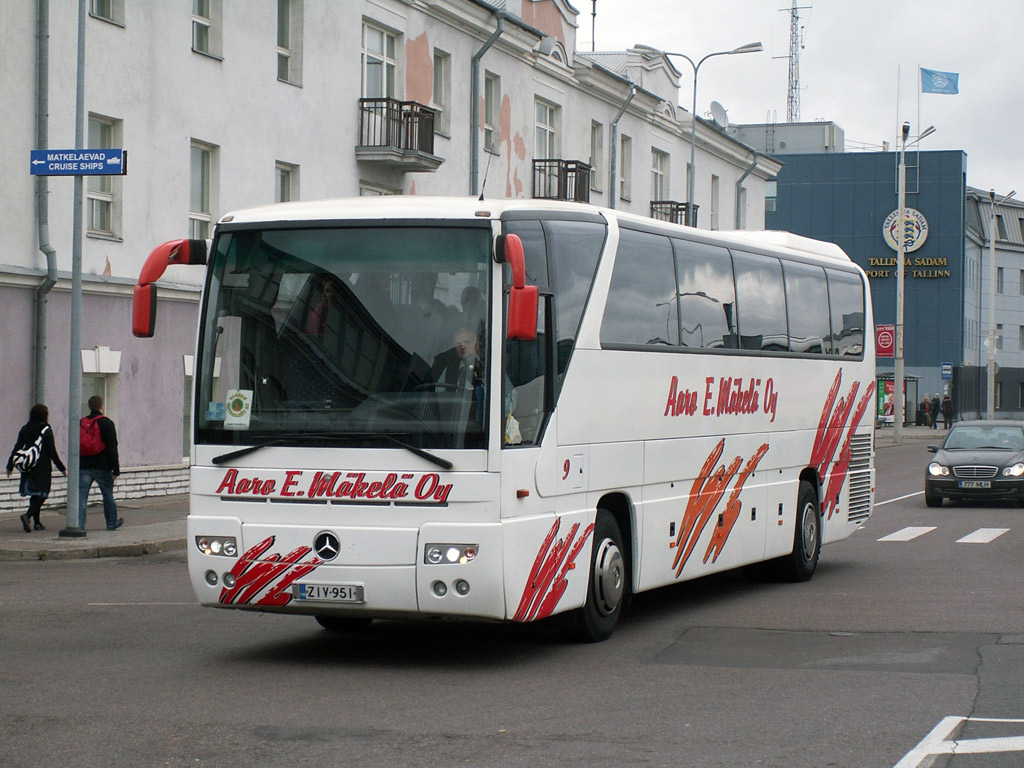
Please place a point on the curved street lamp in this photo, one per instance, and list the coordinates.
(691, 214)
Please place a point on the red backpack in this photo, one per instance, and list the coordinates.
(90, 442)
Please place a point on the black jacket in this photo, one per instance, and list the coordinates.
(107, 458)
(37, 479)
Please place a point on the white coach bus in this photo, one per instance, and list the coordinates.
(507, 410)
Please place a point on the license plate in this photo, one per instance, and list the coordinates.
(974, 484)
(329, 593)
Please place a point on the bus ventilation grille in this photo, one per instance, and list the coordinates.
(860, 479)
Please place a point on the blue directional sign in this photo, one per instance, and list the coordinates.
(79, 162)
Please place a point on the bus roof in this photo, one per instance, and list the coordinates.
(454, 208)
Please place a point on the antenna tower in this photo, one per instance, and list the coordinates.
(796, 44)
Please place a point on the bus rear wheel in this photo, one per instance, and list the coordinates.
(607, 588)
(801, 564)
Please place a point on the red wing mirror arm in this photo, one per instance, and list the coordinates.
(144, 298)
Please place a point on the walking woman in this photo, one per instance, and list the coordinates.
(35, 483)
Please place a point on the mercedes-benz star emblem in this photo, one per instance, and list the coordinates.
(326, 545)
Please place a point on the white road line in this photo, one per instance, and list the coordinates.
(898, 498)
(908, 533)
(938, 742)
(982, 536)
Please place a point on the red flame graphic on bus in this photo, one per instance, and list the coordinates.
(271, 577)
(831, 427)
(707, 491)
(547, 582)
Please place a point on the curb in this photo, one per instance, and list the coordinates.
(88, 552)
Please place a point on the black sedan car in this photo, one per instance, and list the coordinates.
(980, 461)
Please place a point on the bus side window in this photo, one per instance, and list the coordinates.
(642, 304)
(807, 299)
(761, 299)
(846, 300)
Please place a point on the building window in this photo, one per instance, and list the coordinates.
(1001, 228)
(369, 189)
(659, 175)
(714, 201)
(999, 336)
(741, 214)
(596, 155)
(1020, 395)
(492, 110)
(1020, 337)
(206, 26)
(546, 130)
(999, 279)
(442, 92)
(200, 191)
(108, 10)
(771, 191)
(379, 63)
(286, 182)
(103, 203)
(626, 167)
(289, 41)
(999, 396)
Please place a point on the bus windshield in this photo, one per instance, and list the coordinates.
(354, 336)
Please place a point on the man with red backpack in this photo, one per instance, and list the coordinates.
(99, 463)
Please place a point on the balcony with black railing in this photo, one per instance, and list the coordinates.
(675, 212)
(397, 133)
(561, 180)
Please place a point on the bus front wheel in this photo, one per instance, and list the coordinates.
(607, 587)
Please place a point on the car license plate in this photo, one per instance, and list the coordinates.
(329, 593)
(974, 484)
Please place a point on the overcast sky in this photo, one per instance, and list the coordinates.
(855, 53)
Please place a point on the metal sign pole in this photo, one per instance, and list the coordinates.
(75, 363)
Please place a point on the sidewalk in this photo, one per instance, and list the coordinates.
(151, 525)
(157, 524)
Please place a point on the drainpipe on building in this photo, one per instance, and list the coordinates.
(613, 150)
(474, 107)
(42, 194)
(739, 187)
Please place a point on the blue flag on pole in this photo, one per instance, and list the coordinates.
(933, 81)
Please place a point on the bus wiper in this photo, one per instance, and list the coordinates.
(442, 463)
(225, 457)
(231, 455)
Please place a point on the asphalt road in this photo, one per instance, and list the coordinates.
(874, 663)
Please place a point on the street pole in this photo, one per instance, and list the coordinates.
(990, 394)
(901, 252)
(73, 528)
(691, 214)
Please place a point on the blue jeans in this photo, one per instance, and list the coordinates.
(104, 479)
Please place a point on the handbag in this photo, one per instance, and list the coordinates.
(24, 459)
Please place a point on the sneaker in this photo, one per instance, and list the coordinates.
(39, 527)
(115, 526)
(24, 523)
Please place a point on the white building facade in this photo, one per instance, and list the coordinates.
(225, 104)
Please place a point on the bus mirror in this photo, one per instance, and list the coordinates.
(522, 298)
(144, 311)
(144, 298)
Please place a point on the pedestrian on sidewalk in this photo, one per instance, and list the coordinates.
(947, 410)
(935, 408)
(99, 463)
(35, 482)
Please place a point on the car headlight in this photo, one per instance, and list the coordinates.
(1015, 471)
(937, 470)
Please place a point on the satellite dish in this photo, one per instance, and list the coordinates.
(719, 115)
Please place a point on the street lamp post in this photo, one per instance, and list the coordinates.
(691, 216)
(990, 402)
(901, 253)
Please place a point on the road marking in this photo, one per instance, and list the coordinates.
(938, 742)
(908, 533)
(982, 536)
(898, 498)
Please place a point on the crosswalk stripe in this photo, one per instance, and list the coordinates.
(908, 533)
(982, 536)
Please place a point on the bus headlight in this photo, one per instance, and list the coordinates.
(937, 470)
(224, 546)
(449, 554)
(1015, 471)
